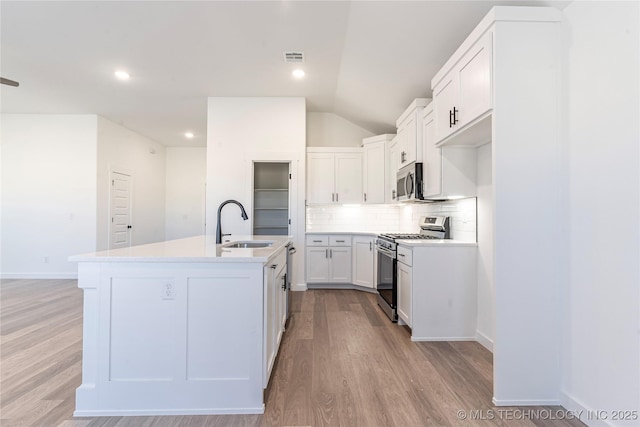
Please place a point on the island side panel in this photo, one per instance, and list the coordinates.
(171, 338)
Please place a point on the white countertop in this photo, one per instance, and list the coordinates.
(191, 249)
(344, 233)
(435, 242)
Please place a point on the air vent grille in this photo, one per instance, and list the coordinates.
(293, 57)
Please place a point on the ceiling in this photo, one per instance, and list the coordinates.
(365, 61)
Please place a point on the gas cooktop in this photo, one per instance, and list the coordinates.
(399, 236)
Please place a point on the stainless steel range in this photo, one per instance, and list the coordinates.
(431, 227)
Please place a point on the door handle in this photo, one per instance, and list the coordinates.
(129, 226)
(455, 115)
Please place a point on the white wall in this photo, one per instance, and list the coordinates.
(186, 172)
(486, 287)
(48, 193)
(122, 149)
(239, 131)
(601, 363)
(331, 130)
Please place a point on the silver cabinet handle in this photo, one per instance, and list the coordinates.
(317, 241)
(326, 253)
(370, 246)
(365, 197)
(330, 253)
(336, 197)
(340, 241)
(333, 196)
(402, 255)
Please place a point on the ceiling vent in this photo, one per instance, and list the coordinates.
(293, 57)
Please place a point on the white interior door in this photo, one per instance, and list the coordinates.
(120, 211)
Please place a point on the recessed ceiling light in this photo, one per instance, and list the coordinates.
(189, 135)
(122, 75)
(298, 73)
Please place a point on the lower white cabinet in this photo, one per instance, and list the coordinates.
(328, 259)
(363, 250)
(274, 310)
(405, 279)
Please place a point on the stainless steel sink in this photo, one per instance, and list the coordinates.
(251, 244)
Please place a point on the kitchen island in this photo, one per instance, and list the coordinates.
(181, 327)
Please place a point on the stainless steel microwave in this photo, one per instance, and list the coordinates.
(409, 183)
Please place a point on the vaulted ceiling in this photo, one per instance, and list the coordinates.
(364, 61)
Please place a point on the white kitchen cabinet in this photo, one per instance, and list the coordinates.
(394, 162)
(464, 93)
(376, 180)
(409, 126)
(450, 171)
(334, 176)
(405, 279)
(328, 259)
(275, 306)
(363, 261)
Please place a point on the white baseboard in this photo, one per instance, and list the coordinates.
(298, 287)
(161, 412)
(526, 402)
(484, 340)
(586, 414)
(39, 275)
(423, 339)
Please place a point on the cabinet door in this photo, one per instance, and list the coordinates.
(394, 162)
(269, 322)
(445, 97)
(340, 267)
(404, 292)
(317, 264)
(374, 172)
(348, 175)
(474, 75)
(432, 167)
(320, 178)
(411, 142)
(363, 256)
(402, 144)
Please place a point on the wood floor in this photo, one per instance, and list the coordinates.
(341, 363)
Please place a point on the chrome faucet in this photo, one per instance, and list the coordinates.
(218, 228)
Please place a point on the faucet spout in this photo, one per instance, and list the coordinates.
(222, 205)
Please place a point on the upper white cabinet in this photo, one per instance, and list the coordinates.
(393, 161)
(463, 94)
(334, 176)
(376, 180)
(448, 172)
(409, 136)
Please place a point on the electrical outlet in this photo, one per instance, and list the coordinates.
(168, 291)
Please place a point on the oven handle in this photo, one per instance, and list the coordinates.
(386, 252)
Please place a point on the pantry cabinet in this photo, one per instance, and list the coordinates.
(334, 176)
(464, 94)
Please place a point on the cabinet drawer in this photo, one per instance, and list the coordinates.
(317, 240)
(405, 255)
(280, 262)
(339, 240)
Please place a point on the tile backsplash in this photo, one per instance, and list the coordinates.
(401, 218)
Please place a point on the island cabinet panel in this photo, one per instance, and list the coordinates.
(173, 338)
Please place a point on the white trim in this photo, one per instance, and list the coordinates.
(578, 407)
(422, 339)
(298, 287)
(530, 402)
(147, 412)
(484, 340)
(39, 275)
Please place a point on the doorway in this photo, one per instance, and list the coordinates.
(120, 211)
(271, 198)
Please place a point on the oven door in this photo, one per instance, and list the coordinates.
(386, 282)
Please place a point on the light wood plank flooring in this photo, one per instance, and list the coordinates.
(341, 363)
